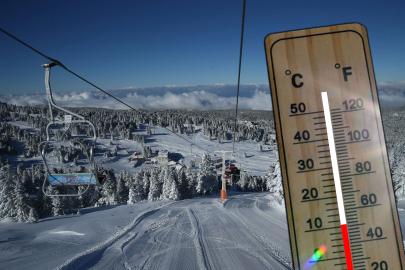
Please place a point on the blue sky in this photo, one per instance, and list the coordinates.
(155, 43)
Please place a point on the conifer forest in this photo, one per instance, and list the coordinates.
(123, 136)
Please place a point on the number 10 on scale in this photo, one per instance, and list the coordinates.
(340, 203)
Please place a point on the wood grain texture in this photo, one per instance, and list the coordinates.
(301, 65)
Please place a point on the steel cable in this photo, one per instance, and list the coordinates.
(240, 65)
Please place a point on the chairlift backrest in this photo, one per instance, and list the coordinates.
(72, 179)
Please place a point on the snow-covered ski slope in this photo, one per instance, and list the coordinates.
(247, 231)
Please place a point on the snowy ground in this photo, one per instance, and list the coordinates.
(244, 232)
(256, 162)
(247, 231)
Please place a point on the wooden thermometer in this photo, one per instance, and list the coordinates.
(339, 196)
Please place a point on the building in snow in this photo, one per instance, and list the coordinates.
(163, 156)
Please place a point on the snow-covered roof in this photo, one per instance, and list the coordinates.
(179, 166)
(163, 153)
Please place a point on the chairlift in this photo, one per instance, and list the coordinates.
(232, 174)
(76, 179)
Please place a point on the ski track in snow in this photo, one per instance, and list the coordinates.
(191, 235)
(117, 241)
(243, 232)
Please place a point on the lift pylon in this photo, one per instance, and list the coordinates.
(223, 190)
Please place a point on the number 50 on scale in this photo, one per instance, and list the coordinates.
(339, 197)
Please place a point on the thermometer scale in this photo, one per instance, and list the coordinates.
(341, 215)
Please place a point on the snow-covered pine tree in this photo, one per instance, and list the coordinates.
(168, 179)
(146, 183)
(243, 182)
(122, 190)
(8, 179)
(398, 176)
(93, 196)
(21, 202)
(277, 183)
(43, 204)
(89, 198)
(134, 196)
(251, 185)
(155, 186)
(191, 182)
(33, 216)
(174, 191)
(183, 185)
(60, 204)
(207, 181)
(269, 175)
(108, 194)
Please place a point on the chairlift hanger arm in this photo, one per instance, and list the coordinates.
(47, 67)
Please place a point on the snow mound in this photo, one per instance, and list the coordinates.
(7, 220)
(67, 233)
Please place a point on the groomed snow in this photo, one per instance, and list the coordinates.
(243, 232)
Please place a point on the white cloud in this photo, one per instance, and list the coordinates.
(199, 97)
(391, 94)
(199, 100)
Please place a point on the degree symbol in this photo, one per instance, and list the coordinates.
(287, 72)
(337, 65)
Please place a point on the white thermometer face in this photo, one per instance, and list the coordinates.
(336, 59)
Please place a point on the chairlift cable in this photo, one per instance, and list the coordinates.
(56, 62)
(240, 64)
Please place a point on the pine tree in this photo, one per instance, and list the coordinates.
(20, 202)
(184, 190)
(243, 182)
(109, 191)
(253, 186)
(155, 186)
(206, 181)
(43, 204)
(138, 183)
(134, 196)
(278, 183)
(191, 178)
(33, 216)
(174, 191)
(122, 190)
(60, 204)
(167, 182)
(7, 185)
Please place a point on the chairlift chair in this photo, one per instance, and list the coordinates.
(75, 179)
